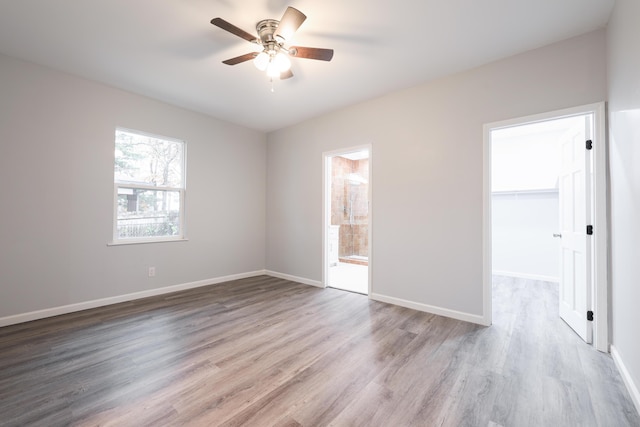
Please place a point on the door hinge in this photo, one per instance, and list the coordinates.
(589, 144)
(589, 230)
(590, 316)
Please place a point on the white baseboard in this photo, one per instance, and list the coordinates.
(626, 377)
(395, 301)
(55, 311)
(526, 276)
(459, 315)
(302, 280)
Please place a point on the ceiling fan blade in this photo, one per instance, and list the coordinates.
(286, 75)
(241, 58)
(290, 22)
(311, 53)
(221, 23)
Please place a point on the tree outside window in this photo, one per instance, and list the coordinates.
(149, 181)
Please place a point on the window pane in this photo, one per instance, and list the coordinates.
(147, 213)
(143, 159)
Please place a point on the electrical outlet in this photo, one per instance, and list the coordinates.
(152, 272)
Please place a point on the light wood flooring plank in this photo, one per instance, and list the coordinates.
(265, 351)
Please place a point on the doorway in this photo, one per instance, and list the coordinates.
(558, 195)
(347, 228)
(525, 198)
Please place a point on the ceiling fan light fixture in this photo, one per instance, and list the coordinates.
(261, 61)
(272, 70)
(282, 61)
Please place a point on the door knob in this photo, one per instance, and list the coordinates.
(557, 235)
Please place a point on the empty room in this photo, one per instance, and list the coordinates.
(271, 213)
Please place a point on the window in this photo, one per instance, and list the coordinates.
(149, 188)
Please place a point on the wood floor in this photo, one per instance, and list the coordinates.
(270, 352)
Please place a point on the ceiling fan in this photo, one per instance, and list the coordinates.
(274, 53)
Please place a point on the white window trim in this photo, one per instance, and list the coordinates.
(182, 190)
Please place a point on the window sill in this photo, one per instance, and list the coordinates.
(531, 191)
(144, 242)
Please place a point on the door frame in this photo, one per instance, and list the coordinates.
(326, 210)
(599, 196)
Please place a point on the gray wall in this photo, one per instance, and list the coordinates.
(624, 158)
(522, 228)
(427, 164)
(56, 169)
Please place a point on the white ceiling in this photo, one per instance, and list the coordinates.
(168, 50)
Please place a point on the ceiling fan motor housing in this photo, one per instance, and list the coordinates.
(266, 28)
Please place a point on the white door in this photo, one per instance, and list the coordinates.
(575, 215)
